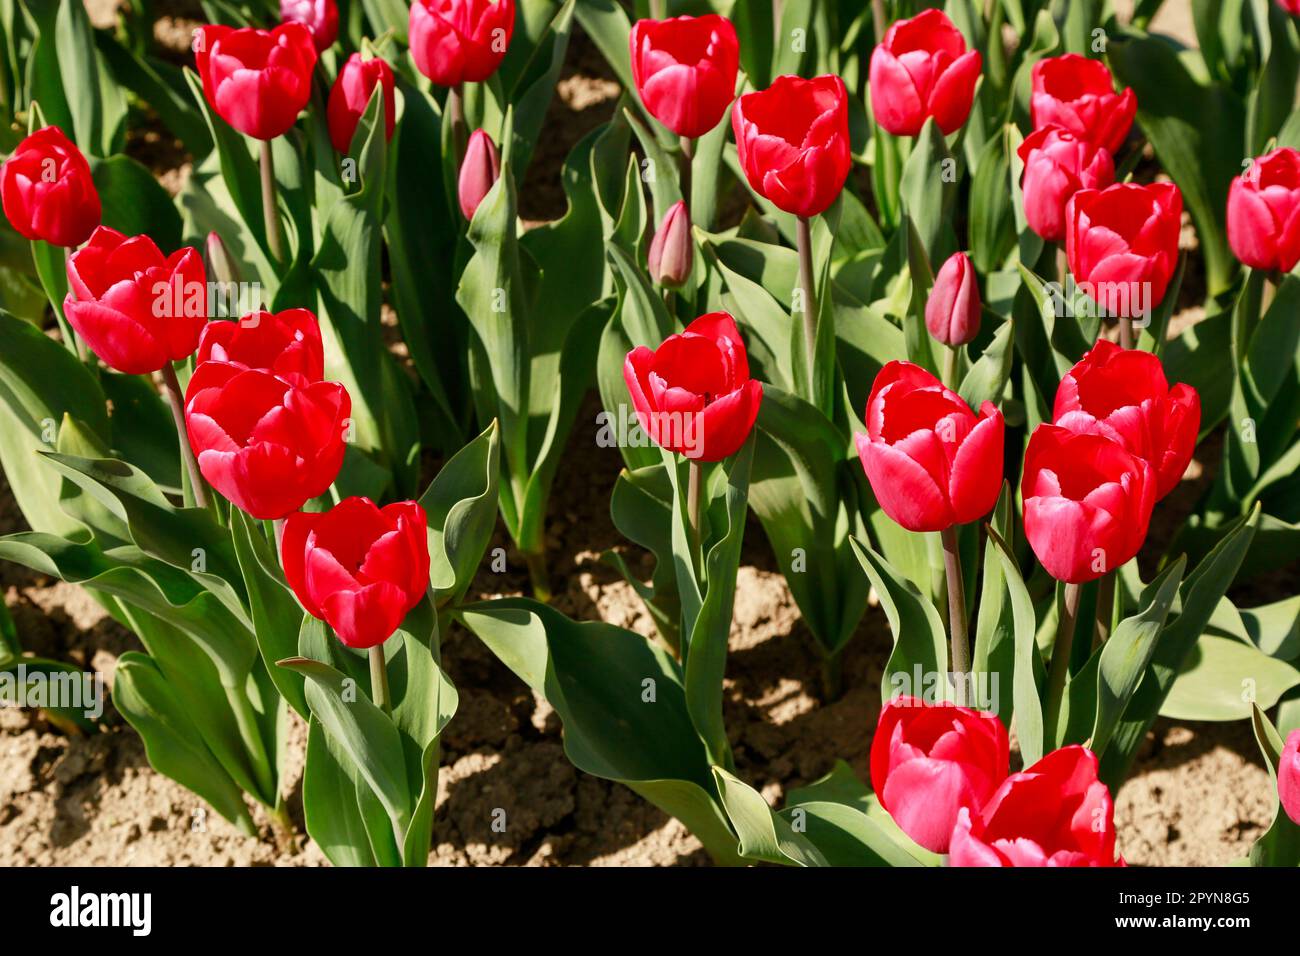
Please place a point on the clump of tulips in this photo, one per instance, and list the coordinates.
(909, 300)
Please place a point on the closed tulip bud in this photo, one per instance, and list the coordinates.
(1078, 93)
(685, 70)
(922, 69)
(672, 251)
(1057, 165)
(287, 344)
(351, 94)
(460, 41)
(321, 17)
(359, 568)
(1288, 777)
(1264, 212)
(217, 260)
(1292, 7)
(134, 307)
(952, 312)
(479, 171)
(928, 761)
(1122, 244)
(258, 81)
(793, 142)
(1123, 395)
(1056, 813)
(265, 444)
(47, 190)
(693, 395)
(931, 463)
(1087, 503)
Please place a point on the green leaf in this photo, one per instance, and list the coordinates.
(992, 219)
(622, 703)
(329, 803)
(765, 836)
(362, 731)
(920, 644)
(987, 379)
(1222, 679)
(1123, 659)
(641, 508)
(928, 189)
(134, 202)
(173, 744)
(461, 505)
(1280, 844)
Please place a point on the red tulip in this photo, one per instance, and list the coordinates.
(685, 70)
(1122, 244)
(1288, 777)
(1057, 165)
(1056, 813)
(1122, 394)
(321, 17)
(1078, 94)
(1292, 7)
(672, 251)
(351, 95)
(1087, 503)
(793, 140)
(359, 568)
(693, 395)
(47, 190)
(266, 445)
(952, 312)
(134, 307)
(479, 171)
(1264, 212)
(287, 344)
(258, 81)
(922, 69)
(458, 41)
(931, 463)
(930, 760)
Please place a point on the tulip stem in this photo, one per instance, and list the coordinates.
(693, 508)
(658, 9)
(176, 399)
(688, 157)
(459, 137)
(960, 661)
(804, 235)
(379, 679)
(878, 19)
(950, 367)
(1059, 669)
(270, 211)
(538, 575)
(1105, 608)
(1125, 332)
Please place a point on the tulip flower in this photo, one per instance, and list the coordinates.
(459, 41)
(685, 70)
(1122, 244)
(928, 761)
(1087, 502)
(931, 463)
(351, 94)
(479, 171)
(321, 17)
(47, 190)
(258, 81)
(672, 250)
(359, 568)
(287, 344)
(1290, 6)
(265, 444)
(1264, 212)
(922, 69)
(1288, 777)
(793, 142)
(693, 395)
(1056, 813)
(1057, 165)
(135, 308)
(952, 312)
(1078, 93)
(1123, 395)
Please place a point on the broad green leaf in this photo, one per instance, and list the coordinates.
(1280, 844)
(765, 836)
(1223, 678)
(461, 505)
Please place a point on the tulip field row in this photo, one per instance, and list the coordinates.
(953, 300)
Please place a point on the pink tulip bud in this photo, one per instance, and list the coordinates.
(672, 251)
(478, 172)
(216, 257)
(952, 313)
